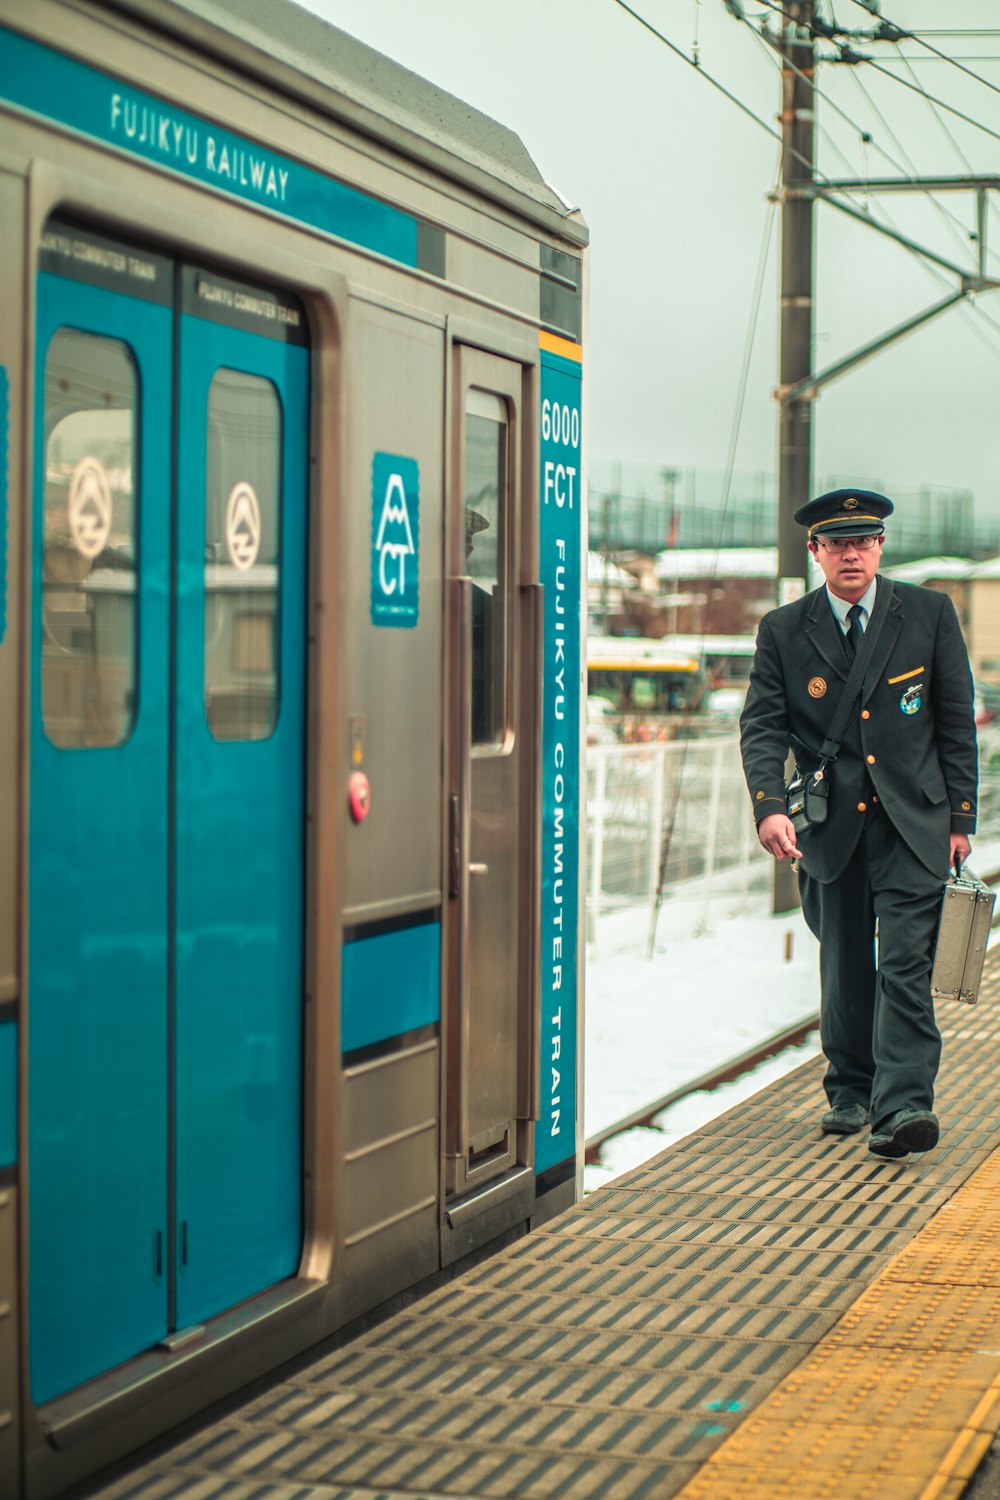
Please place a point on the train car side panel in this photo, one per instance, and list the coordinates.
(391, 967)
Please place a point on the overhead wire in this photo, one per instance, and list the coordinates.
(992, 205)
(941, 103)
(934, 111)
(973, 312)
(915, 36)
(733, 98)
(908, 173)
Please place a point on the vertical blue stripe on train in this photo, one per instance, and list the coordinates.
(36, 78)
(8, 1093)
(560, 547)
(4, 409)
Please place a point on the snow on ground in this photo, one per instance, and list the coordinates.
(724, 977)
(653, 1025)
(636, 1146)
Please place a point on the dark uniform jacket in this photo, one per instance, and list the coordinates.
(910, 741)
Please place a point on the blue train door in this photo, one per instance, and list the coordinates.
(98, 885)
(239, 756)
(166, 803)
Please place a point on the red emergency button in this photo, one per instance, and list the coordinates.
(359, 796)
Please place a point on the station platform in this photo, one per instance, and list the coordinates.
(760, 1311)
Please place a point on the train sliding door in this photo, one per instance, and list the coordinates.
(98, 857)
(491, 872)
(166, 812)
(239, 766)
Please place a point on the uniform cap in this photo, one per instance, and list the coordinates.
(845, 513)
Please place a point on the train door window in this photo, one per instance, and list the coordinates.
(486, 441)
(89, 541)
(242, 556)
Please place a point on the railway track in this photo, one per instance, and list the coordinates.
(728, 1072)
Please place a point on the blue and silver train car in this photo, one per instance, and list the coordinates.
(291, 521)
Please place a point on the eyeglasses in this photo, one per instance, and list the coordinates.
(842, 543)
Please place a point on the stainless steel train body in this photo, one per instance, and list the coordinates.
(291, 516)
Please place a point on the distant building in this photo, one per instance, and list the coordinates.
(716, 591)
(983, 630)
(949, 575)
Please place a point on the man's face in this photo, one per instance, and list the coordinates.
(851, 570)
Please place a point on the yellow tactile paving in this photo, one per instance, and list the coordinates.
(905, 1385)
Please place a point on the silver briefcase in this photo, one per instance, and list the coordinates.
(966, 914)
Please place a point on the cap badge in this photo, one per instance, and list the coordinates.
(817, 687)
(851, 503)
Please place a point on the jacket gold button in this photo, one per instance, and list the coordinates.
(862, 807)
(865, 714)
(870, 759)
(966, 806)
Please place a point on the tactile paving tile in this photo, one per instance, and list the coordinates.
(757, 1304)
(904, 1389)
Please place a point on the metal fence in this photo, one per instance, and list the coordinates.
(687, 799)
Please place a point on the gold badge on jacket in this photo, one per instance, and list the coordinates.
(817, 687)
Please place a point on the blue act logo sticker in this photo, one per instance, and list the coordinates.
(395, 540)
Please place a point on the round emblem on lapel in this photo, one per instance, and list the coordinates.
(817, 687)
(911, 700)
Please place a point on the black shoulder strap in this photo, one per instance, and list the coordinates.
(831, 745)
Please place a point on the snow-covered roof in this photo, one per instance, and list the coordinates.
(599, 569)
(931, 567)
(717, 562)
(712, 645)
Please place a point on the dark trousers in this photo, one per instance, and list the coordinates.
(877, 1022)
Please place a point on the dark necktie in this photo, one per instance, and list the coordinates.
(855, 635)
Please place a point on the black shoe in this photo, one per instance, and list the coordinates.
(905, 1131)
(844, 1119)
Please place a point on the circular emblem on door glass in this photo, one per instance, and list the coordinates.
(88, 507)
(242, 526)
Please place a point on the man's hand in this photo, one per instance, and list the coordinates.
(777, 836)
(960, 848)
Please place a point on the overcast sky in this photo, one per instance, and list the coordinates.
(673, 180)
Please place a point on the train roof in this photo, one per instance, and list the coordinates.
(307, 57)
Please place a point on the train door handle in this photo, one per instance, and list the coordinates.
(478, 869)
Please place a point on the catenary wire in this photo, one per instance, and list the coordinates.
(976, 315)
(916, 36)
(958, 229)
(991, 202)
(907, 173)
(733, 98)
(941, 103)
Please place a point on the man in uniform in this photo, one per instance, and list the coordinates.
(902, 804)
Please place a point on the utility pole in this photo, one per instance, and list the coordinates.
(798, 104)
